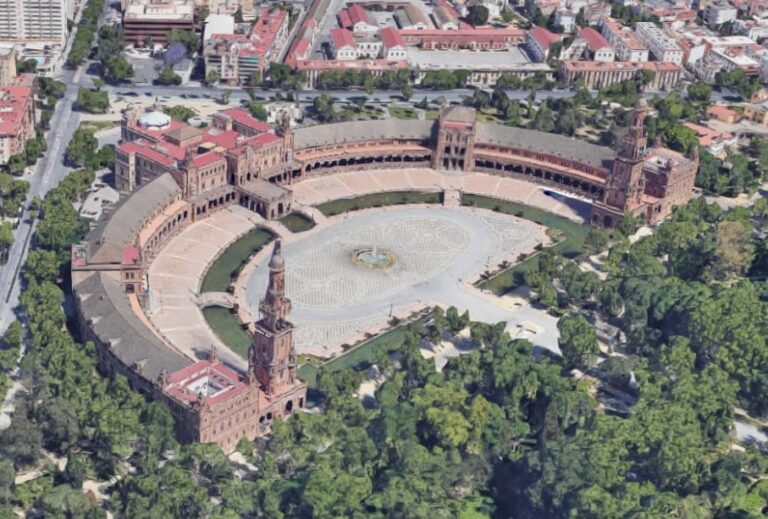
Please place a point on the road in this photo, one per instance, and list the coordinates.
(48, 172)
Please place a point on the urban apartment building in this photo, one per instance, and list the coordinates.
(230, 7)
(625, 42)
(39, 21)
(600, 74)
(661, 46)
(7, 66)
(718, 13)
(237, 57)
(150, 21)
(17, 119)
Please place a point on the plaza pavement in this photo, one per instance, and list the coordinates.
(315, 191)
(440, 253)
(176, 273)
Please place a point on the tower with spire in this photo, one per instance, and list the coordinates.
(272, 356)
(626, 184)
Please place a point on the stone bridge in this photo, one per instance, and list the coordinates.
(223, 299)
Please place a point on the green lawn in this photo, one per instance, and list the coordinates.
(359, 356)
(344, 205)
(571, 246)
(297, 222)
(227, 328)
(400, 112)
(225, 268)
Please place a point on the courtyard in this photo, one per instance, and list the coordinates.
(412, 257)
(434, 248)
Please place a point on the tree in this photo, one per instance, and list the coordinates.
(323, 108)
(51, 87)
(11, 345)
(82, 146)
(7, 478)
(407, 91)
(77, 470)
(189, 39)
(258, 110)
(92, 101)
(225, 95)
(168, 77)
(212, 77)
(26, 66)
(596, 240)
(238, 15)
(117, 69)
(180, 112)
(42, 265)
(680, 138)
(700, 92)
(577, 342)
(733, 250)
(478, 15)
(544, 120)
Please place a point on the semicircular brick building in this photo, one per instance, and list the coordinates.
(171, 174)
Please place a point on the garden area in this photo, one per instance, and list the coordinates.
(359, 356)
(225, 325)
(570, 246)
(297, 222)
(226, 267)
(403, 112)
(344, 205)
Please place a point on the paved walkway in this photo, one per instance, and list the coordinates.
(439, 253)
(349, 185)
(175, 276)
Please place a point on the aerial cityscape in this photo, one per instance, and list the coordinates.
(393, 259)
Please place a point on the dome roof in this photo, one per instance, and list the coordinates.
(155, 120)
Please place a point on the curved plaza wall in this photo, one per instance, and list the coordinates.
(126, 343)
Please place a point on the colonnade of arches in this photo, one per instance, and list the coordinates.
(401, 159)
(540, 176)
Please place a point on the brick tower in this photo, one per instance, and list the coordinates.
(272, 357)
(625, 184)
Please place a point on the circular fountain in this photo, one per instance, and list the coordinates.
(373, 258)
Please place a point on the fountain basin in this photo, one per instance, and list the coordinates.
(373, 258)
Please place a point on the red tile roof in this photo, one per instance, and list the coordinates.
(145, 150)
(221, 138)
(131, 255)
(543, 37)
(230, 382)
(342, 38)
(390, 37)
(14, 101)
(345, 22)
(357, 14)
(594, 39)
(257, 141)
(241, 116)
(708, 136)
(206, 159)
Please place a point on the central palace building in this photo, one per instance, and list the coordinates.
(171, 174)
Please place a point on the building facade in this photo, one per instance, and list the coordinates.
(236, 58)
(28, 21)
(150, 21)
(210, 402)
(625, 42)
(17, 120)
(600, 74)
(645, 183)
(660, 45)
